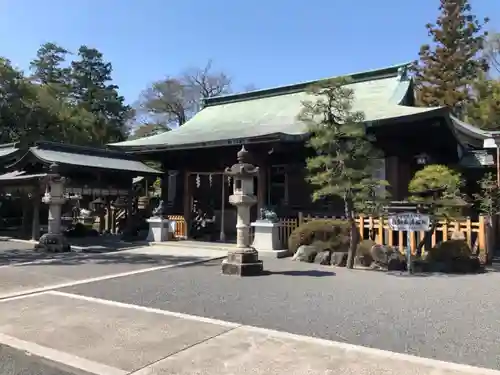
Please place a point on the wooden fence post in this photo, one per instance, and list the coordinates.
(380, 239)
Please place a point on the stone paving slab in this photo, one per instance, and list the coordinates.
(109, 338)
(126, 339)
(247, 351)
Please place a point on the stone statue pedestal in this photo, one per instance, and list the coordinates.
(243, 262)
(158, 229)
(266, 239)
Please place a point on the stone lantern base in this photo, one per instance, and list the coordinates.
(243, 262)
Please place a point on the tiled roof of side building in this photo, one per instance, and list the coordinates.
(49, 152)
(273, 112)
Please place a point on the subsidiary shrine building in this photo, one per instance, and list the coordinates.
(195, 155)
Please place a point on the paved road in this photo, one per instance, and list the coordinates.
(18, 362)
(125, 313)
(447, 318)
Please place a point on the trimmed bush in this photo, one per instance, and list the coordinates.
(327, 234)
(453, 256)
(449, 250)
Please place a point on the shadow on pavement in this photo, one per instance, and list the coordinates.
(116, 258)
(310, 273)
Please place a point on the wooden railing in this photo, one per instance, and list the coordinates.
(378, 230)
(180, 226)
(287, 226)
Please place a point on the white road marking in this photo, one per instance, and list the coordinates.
(102, 278)
(385, 354)
(145, 309)
(60, 357)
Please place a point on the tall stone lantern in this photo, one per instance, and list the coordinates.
(244, 261)
(54, 240)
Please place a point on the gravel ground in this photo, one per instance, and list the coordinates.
(451, 318)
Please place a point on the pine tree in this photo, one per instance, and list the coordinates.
(446, 69)
(91, 88)
(47, 66)
(483, 110)
(345, 160)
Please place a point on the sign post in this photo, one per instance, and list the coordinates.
(409, 222)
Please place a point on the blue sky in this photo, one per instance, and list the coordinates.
(261, 42)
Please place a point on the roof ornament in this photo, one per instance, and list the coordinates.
(243, 167)
(403, 73)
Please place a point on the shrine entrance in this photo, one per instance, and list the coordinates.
(211, 217)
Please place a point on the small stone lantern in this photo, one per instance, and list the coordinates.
(245, 260)
(54, 240)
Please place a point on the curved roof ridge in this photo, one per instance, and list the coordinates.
(472, 130)
(367, 75)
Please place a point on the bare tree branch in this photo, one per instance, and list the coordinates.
(203, 83)
(492, 51)
(175, 100)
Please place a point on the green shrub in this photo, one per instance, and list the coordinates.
(448, 251)
(328, 234)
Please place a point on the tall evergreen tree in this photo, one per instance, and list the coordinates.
(91, 88)
(47, 66)
(31, 111)
(346, 161)
(483, 110)
(446, 68)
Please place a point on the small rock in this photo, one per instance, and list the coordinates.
(324, 258)
(339, 259)
(364, 260)
(396, 262)
(381, 254)
(306, 253)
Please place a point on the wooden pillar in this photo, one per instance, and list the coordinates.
(262, 188)
(393, 177)
(130, 206)
(187, 201)
(25, 202)
(35, 228)
(222, 209)
(167, 205)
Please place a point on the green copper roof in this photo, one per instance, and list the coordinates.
(471, 135)
(264, 114)
(49, 152)
(8, 149)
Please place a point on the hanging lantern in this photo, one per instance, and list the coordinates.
(229, 180)
(210, 179)
(198, 182)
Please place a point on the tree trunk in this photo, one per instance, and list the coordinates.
(426, 238)
(354, 231)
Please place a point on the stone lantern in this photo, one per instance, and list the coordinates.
(54, 240)
(245, 260)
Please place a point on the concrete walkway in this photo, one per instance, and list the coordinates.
(111, 338)
(89, 335)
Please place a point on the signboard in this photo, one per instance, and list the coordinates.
(410, 222)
